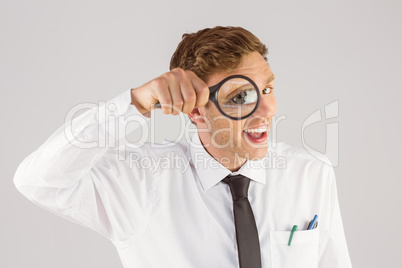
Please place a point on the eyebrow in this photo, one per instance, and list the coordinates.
(269, 80)
(236, 90)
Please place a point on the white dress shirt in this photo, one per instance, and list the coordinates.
(164, 205)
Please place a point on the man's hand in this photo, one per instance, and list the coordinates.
(177, 91)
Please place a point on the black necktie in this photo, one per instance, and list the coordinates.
(248, 243)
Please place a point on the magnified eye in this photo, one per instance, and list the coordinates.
(245, 97)
(240, 98)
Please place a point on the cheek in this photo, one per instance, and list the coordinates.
(227, 126)
(273, 103)
(238, 129)
(216, 119)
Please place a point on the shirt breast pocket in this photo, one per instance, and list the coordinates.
(302, 253)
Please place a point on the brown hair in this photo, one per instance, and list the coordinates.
(215, 49)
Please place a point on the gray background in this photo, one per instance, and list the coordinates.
(54, 55)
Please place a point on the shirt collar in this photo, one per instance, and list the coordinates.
(211, 172)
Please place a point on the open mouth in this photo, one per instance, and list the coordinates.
(256, 135)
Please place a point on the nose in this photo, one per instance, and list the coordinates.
(267, 106)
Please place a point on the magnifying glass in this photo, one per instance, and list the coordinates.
(236, 97)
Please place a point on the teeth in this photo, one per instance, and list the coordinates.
(256, 130)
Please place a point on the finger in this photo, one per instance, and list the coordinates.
(175, 93)
(189, 95)
(163, 94)
(201, 89)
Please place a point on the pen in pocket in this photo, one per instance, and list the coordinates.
(313, 223)
(294, 229)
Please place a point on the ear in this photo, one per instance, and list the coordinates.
(196, 116)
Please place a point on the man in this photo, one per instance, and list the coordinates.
(193, 215)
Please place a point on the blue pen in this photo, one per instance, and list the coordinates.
(312, 223)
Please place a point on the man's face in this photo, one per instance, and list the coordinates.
(229, 137)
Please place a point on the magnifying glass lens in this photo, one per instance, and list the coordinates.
(237, 97)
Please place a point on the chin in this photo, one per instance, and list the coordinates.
(255, 154)
(261, 154)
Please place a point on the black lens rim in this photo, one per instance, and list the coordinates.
(214, 90)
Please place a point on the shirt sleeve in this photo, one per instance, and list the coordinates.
(333, 251)
(60, 175)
